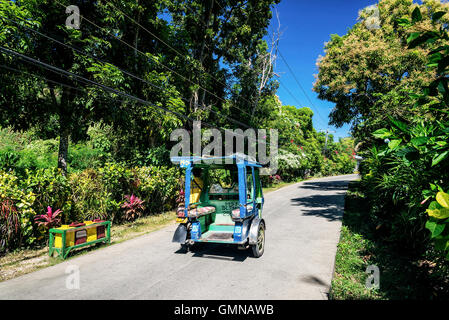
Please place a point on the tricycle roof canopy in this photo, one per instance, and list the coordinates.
(236, 158)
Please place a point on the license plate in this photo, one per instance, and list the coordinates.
(181, 220)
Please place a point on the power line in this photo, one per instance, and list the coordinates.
(179, 53)
(69, 74)
(301, 87)
(49, 80)
(122, 70)
(39, 77)
(165, 43)
(149, 56)
(290, 93)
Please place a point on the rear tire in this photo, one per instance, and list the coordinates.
(259, 247)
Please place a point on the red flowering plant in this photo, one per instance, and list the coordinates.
(133, 207)
(50, 219)
(276, 179)
(9, 223)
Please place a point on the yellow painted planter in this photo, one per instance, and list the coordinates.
(91, 233)
(80, 236)
(69, 240)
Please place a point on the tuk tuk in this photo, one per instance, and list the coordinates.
(223, 203)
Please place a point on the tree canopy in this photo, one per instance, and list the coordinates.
(369, 72)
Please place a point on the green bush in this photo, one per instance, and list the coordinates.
(51, 188)
(89, 196)
(84, 195)
(22, 201)
(158, 187)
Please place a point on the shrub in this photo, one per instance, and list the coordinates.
(9, 223)
(85, 195)
(291, 166)
(158, 187)
(133, 208)
(89, 196)
(49, 220)
(51, 188)
(22, 201)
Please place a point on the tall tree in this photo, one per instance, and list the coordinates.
(368, 72)
(52, 96)
(223, 37)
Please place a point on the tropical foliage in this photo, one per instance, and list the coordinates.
(391, 84)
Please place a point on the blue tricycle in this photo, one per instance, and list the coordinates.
(223, 203)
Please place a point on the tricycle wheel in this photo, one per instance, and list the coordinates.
(259, 247)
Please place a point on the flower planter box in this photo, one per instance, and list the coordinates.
(66, 238)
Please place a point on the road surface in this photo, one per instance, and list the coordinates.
(303, 228)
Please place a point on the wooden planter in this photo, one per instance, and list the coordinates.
(66, 238)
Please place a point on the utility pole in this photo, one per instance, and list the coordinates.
(327, 138)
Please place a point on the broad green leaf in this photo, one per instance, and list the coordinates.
(435, 205)
(419, 141)
(438, 158)
(435, 228)
(416, 15)
(412, 36)
(438, 213)
(393, 144)
(442, 65)
(438, 15)
(441, 244)
(399, 124)
(435, 58)
(428, 37)
(439, 49)
(403, 22)
(443, 199)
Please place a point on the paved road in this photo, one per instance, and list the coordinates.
(303, 228)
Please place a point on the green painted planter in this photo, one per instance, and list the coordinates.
(65, 239)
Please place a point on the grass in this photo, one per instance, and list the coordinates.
(402, 276)
(279, 186)
(21, 262)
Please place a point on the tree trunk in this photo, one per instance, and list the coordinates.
(64, 131)
(63, 147)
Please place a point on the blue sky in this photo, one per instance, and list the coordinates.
(306, 26)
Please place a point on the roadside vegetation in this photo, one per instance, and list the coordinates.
(388, 76)
(402, 275)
